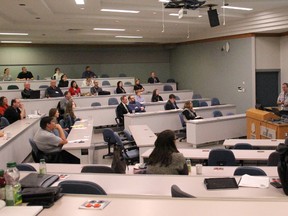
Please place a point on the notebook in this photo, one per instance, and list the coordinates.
(35, 94)
(220, 183)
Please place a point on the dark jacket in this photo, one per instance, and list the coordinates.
(170, 106)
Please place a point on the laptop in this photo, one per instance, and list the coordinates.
(220, 183)
(35, 94)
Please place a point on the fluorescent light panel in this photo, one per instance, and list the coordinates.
(80, 2)
(236, 8)
(18, 34)
(164, 1)
(130, 37)
(107, 29)
(23, 42)
(119, 11)
(174, 14)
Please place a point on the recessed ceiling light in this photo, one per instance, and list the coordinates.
(200, 16)
(165, 1)
(82, 8)
(154, 13)
(23, 42)
(138, 30)
(119, 11)
(18, 34)
(236, 8)
(80, 2)
(130, 37)
(174, 14)
(107, 29)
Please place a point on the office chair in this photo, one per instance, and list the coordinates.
(254, 171)
(11, 87)
(217, 113)
(106, 83)
(203, 103)
(4, 122)
(97, 169)
(215, 102)
(108, 136)
(122, 75)
(244, 146)
(196, 96)
(25, 167)
(81, 187)
(177, 97)
(113, 101)
(221, 157)
(128, 84)
(171, 80)
(183, 129)
(43, 86)
(273, 159)
(177, 192)
(130, 154)
(95, 104)
(195, 103)
(105, 76)
(167, 87)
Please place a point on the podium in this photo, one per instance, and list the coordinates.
(260, 125)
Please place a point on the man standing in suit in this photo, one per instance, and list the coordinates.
(171, 103)
(122, 109)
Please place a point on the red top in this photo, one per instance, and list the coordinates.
(75, 91)
(2, 109)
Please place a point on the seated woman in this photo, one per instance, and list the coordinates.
(155, 96)
(165, 158)
(189, 112)
(88, 82)
(74, 89)
(54, 113)
(3, 105)
(120, 89)
(138, 97)
(6, 76)
(57, 74)
(69, 116)
(138, 86)
(63, 81)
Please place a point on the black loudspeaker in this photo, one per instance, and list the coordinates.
(213, 17)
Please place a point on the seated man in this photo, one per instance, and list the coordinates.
(135, 105)
(48, 142)
(153, 78)
(15, 112)
(88, 82)
(25, 75)
(53, 90)
(27, 91)
(63, 102)
(122, 109)
(95, 89)
(88, 73)
(171, 103)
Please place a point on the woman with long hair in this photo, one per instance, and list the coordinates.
(69, 116)
(63, 81)
(155, 96)
(3, 105)
(120, 89)
(74, 89)
(54, 113)
(188, 111)
(165, 158)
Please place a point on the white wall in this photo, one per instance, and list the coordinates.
(284, 58)
(211, 72)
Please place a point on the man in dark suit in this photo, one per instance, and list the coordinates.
(122, 109)
(153, 78)
(171, 103)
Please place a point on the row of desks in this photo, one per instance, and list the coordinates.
(273, 143)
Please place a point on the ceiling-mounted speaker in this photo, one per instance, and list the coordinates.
(213, 17)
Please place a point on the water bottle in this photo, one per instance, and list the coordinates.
(188, 163)
(42, 167)
(2, 185)
(13, 187)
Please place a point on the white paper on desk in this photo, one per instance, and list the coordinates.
(77, 141)
(21, 210)
(254, 181)
(33, 116)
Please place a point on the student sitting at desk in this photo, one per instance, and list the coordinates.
(25, 75)
(69, 116)
(15, 112)
(6, 76)
(155, 96)
(74, 89)
(48, 142)
(63, 81)
(171, 103)
(153, 78)
(138, 86)
(122, 109)
(135, 105)
(57, 74)
(120, 89)
(54, 113)
(3, 105)
(53, 90)
(188, 111)
(26, 91)
(88, 82)
(165, 158)
(95, 89)
(138, 97)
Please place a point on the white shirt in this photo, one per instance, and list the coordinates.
(283, 97)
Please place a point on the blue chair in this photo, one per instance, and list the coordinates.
(25, 167)
(96, 169)
(122, 75)
(217, 113)
(4, 122)
(203, 103)
(254, 171)
(243, 146)
(96, 104)
(221, 157)
(177, 192)
(167, 87)
(113, 101)
(43, 86)
(171, 80)
(230, 113)
(128, 84)
(183, 129)
(105, 76)
(106, 83)
(108, 137)
(196, 96)
(215, 102)
(273, 159)
(195, 103)
(11, 87)
(81, 187)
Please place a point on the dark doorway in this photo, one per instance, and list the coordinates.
(267, 86)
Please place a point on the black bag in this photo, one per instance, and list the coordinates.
(283, 165)
(33, 180)
(118, 162)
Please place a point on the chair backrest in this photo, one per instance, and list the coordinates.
(128, 83)
(105, 76)
(122, 75)
(244, 146)
(43, 86)
(171, 80)
(177, 97)
(217, 113)
(167, 87)
(108, 136)
(183, 123)
(128, 135)
(273, 159)
(203, 103)
(221, 157)
(10, 87)
(196, 96)
(0, 87)
(230, 113)
(81, 187)
(215, 101)
(4, 122)
(118, 140)
(113, 101)
(105, 83)
(97, 169)
(177, 192)
(195, 103)
(35, 151)
(254, 171)
(25, 167)
(96, 104)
